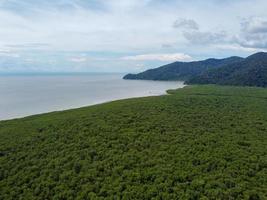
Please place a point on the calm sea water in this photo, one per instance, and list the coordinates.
(23, 95)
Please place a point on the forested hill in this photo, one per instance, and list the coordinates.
(182, 70)
(251, 71)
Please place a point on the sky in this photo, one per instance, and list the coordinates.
(125, 35)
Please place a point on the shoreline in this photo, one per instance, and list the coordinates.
(89, 105)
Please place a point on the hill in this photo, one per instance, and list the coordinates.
(200, 142)
(182, 70)
(251, 71)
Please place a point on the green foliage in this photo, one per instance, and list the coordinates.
(250, 72)
(201, 142)
(182, 70)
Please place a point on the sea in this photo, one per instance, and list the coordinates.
(29, 94)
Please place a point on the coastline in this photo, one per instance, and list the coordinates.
(91, 105)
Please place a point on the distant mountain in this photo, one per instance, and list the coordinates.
(182, 70)
(251, 71)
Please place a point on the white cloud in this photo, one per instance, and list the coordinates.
(4, 51)
(120, 25)
(253, 33)
(198, 37)
(159, 57)
(236, 47)
(62, 30)
(140, 65)
(254, 25)
(186, 24)
(78, 59)
(8, 53)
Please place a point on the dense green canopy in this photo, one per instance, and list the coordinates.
(182, 70)
(251, 71)
(201, 142)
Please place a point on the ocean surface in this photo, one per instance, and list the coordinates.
(24, 95)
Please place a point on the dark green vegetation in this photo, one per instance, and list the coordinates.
(182, 70)
(201, 142)
(252, 71)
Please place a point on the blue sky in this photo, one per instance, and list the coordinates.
(125, 35)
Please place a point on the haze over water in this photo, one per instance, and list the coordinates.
(24, 95)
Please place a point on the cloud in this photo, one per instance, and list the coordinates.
(237, 48)
(252, 36)
(78, 59)
(28, 46)
(4, 51)
(167, 46)
(77, 25)
(8, 53)
(198, 37)
(195, 36)
(107, 30)
(254, 25)
(253, 33)
(159, 57)
(186, 24)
